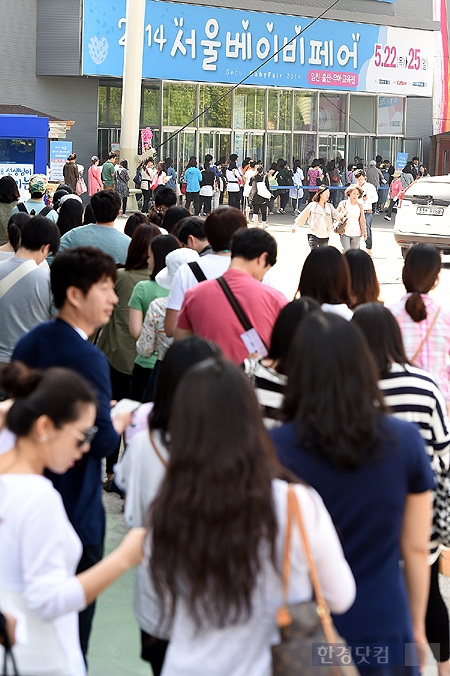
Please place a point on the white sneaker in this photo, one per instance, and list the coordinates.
(387, 218)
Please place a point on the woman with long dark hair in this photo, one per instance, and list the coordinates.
(143, 294)
(268, 375)
(364, 281)
(318, 215)
(413, 395)
(115, 339)
(217, 529)
(374, 477)
(425, 325)
(325, 277)
(14, 233)
(9, 198)
(139, 475)
(70, 216)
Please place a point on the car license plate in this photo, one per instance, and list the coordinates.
(430, 211)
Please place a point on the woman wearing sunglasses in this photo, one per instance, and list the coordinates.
(52, 417)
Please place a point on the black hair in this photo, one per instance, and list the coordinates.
(364, 281)
(135, 219)
(164, 196)
(81, 267)
(106, 205)
(66, 187)
(124, 164)
(137, 254)
(190, 226)
(168, 162)
(38, 232)
(192, 161)
(9, 192)
(112, 156)
(250, 243)
(14, 227)
(359, 172)
(55, 392)
(173, 216)
(383, 335)
(70, 216)
(285, 327)
(88, 215)
(332, 394)
(220, 226)
(420, 272)
(178, 359)
(325, 276)
(57, 195)
(161, 246)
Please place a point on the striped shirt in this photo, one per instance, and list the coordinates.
(413, 395)
(434, 354)
(269, 388)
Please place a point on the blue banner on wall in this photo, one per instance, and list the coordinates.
(209, 44)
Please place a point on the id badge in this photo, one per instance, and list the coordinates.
(253, 343)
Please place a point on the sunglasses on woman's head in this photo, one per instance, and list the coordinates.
(83, 437)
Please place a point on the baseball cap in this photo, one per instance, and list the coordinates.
(174, 260)
(37, 183)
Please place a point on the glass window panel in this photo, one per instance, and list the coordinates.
(383, 148)
(390, 115)
(249, 108)
(179, 103)
(331, 148)
(305, 149)
(304, 111)
(16, 151)
(150, 107)
(362, 114)
(332, 112)
(412, 147)
(102, 105)
(278, 147)
(220, 114)
(115, 105)
(279, 109)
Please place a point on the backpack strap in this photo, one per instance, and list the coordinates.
(197, 272)
(16, 275)
(45, 211)
(21, 207)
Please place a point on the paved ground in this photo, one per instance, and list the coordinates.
(115, 640)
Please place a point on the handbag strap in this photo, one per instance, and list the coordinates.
(323, 611)
(15, 276)
(155, 448)
(425, 338)
(240, 314)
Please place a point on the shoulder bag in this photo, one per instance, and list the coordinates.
(441, 516)
(425, 338)
(307, 623)
(81, 186)
(15, 276)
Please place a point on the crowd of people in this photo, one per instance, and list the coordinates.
(234, 404)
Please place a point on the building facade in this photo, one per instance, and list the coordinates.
(358, 81)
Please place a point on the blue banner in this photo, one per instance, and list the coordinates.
(209, 44)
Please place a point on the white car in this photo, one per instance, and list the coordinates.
(423, 214)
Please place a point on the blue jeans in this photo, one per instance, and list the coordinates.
(369, 218)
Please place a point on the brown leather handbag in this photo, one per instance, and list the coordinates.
(307, 623)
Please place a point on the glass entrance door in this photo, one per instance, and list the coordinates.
(215, 143)
(249, 144)
(361, 146)
(331, 147)
(180, 148)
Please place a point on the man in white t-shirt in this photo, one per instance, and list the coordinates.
(369, 197)
(220, 227)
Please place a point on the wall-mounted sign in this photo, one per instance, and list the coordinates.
(210, 44)
(59, 152)
(21, 173)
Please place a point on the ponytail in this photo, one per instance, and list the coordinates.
(415, 307)
(420, 273)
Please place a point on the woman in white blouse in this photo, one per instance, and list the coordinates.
(352, 209)
(318, 215)
(217, 530)
(52, 417)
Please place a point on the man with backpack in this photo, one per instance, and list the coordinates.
(36, 205)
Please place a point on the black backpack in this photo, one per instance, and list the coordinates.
(46, 210)
(137, 180)
(285, 177)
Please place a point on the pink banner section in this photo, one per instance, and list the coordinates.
(331, 79)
